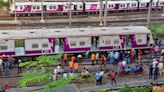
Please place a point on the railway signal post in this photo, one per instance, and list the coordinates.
(70, 13)
(15, 14)
(42, 15)
(100, 13)
(105, 14)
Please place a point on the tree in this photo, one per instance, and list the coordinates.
(157, 30)
(39, 73)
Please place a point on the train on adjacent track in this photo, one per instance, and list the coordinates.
(73, 40)
(52, 8)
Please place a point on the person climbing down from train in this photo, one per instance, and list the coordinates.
(116, 58)
(65, 58)
(156, 50)
(93, 57)
(111, 57)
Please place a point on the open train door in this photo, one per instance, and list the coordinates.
(59, 45)
(95, 43)
(117, 6)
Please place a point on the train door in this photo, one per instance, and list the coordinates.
(84, 7)
(128, 41)
(60, 7)
(116, 6)
(27, 8)
(148, 39)
(75, 7)
(59, 45)
(19, 47)
(95, 43)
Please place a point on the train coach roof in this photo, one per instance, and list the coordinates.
(71, 32)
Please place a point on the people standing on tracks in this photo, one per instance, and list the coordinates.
(121, 55)
(156, 72)
(97, 58)
(71, 65)
(65, 58)
(155, 62)
(120, 67)
(1, 66)
(93, 57)
(116, 58)
(75, 67)
(103, 60)
(111, 57)
(112, 74)
(101, 74)
(156, 50)
(10, 60)
(87, 56)
(73, 58)
(132, 56)
(98, 76)
(150, 71)
(19, 67)
(79, 58)
(6, 68)
(139, 56)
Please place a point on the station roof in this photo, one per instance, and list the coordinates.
(71, 32)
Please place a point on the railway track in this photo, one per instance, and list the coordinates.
(143, 13)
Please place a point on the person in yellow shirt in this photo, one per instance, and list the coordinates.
(93, 57)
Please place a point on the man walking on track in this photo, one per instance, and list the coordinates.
(113, 77)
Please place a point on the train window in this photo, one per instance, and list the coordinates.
(45, 45)
(66, 7)
(3, 48)
(81, 6)
(116, 41)
(109, 5)
(34, 7)
(139, 40)
(35, 45)
(112, 5)
(20, 7)
(82, 43)
(50, 7)
(19, 43)
(38, 7)
(142, 4)
(16, 7)
(54, 7)
(73, 43)
(123, 5)
(108, 42)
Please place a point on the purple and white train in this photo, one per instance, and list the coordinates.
(72, 40)
(50, 8)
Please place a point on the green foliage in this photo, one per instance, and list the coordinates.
(2, 3)
(40, 73)
(19, 43)
(157, 30)
(54, 85)
(126, 88)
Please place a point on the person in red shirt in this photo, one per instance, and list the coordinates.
(104, 60)
(113, 77)
(139, 55)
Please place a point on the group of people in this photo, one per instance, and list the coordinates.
(6, 64)
(59, 72)
(155, 68)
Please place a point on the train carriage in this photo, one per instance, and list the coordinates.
(71, 40)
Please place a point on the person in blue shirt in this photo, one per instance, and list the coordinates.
(128, 70)
(111, 58)
(116, 57)
(98, 76)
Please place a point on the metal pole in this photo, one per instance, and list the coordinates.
(100, 13)
(149, 11)
(42, 15)
(70, 13)
(105, 14)
(15, 11)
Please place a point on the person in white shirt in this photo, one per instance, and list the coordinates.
(71, 73)
(65, 75)
(1, 66)
(155, 62)
(97, 57)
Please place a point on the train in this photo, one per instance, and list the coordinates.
(53, 8)
(28, 42)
